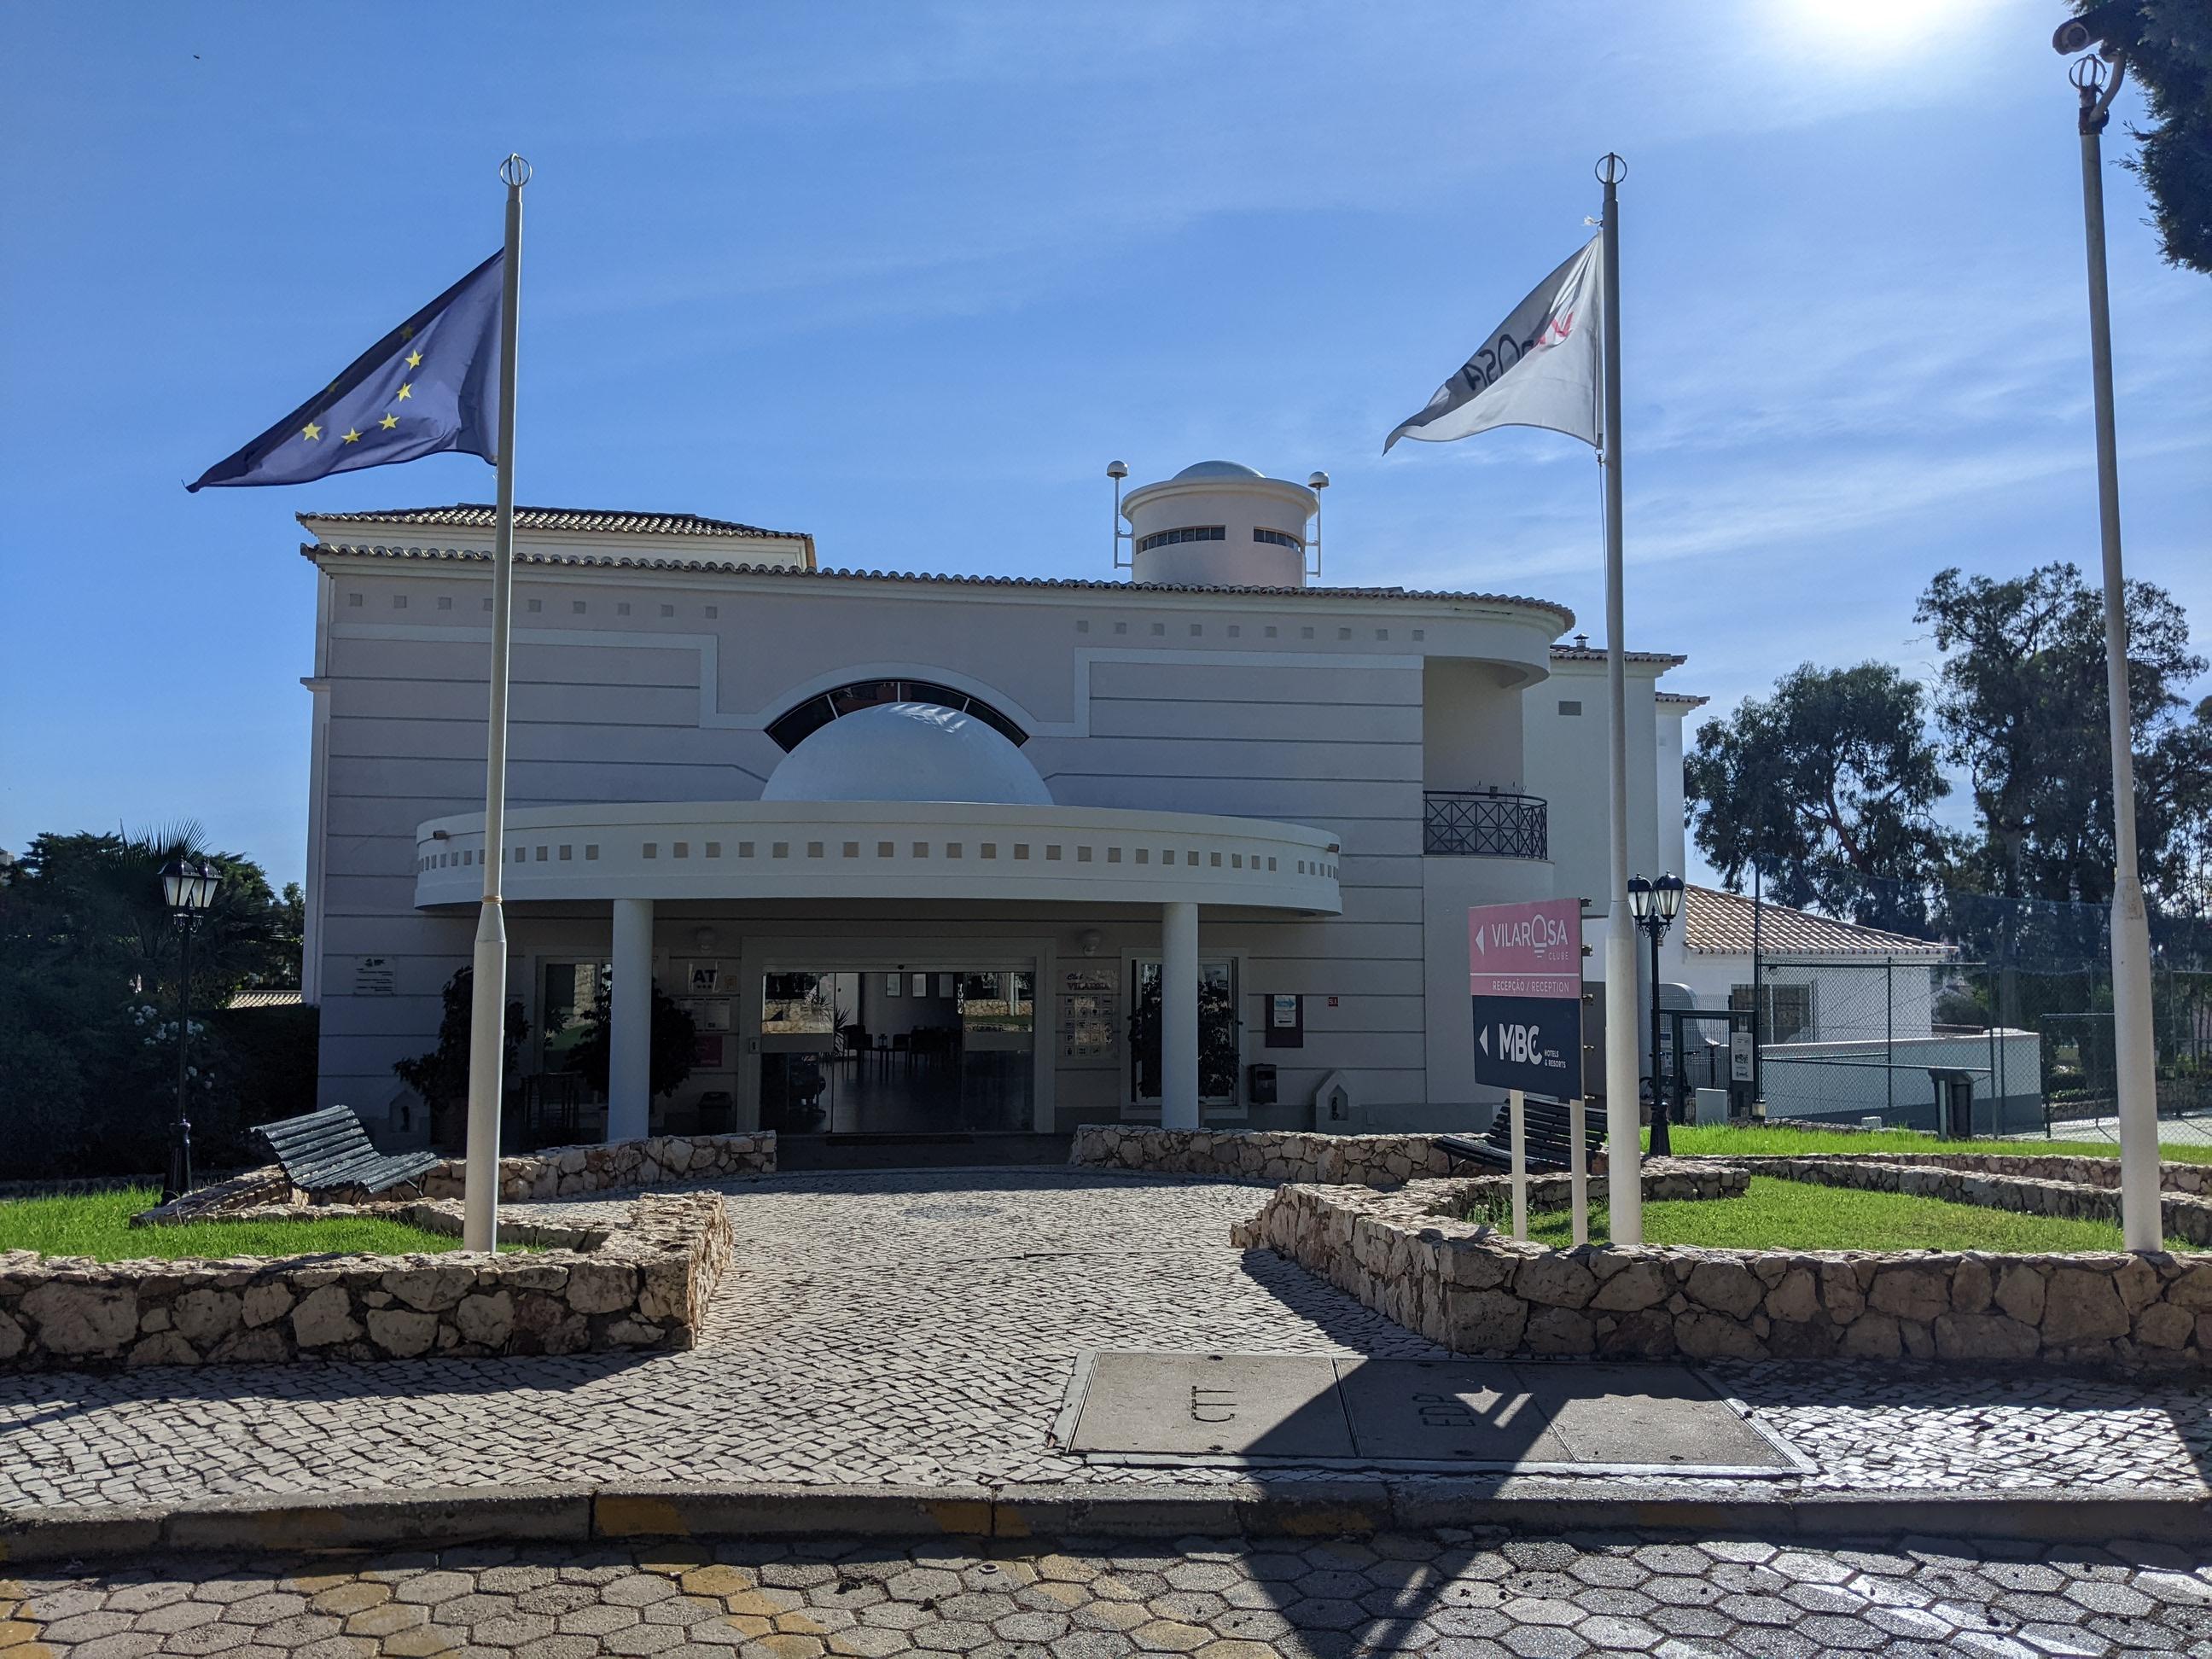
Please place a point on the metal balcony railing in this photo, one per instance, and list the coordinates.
(1491, 825)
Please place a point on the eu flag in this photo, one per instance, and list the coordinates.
(431, 384)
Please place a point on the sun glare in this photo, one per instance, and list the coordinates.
(1867, 27)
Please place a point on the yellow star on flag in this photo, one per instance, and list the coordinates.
(310, 431)
(414, 360)
(389, 422)
(408, 332)
(352, 436)
(407, 390)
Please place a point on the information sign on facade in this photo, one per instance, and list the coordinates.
(1525, 981)
(373, 976)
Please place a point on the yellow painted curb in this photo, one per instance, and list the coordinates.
(624, 1516)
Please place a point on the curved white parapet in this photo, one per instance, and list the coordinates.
(883, 850)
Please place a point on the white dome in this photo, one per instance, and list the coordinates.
(1219, 470)
(910, 751)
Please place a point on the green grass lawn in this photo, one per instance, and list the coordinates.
(1718, 1139)
(1796, 1215)
(97, 1224)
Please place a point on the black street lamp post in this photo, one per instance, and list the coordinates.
(189, 886)
(1653, 906)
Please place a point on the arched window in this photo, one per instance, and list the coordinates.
(795, 725)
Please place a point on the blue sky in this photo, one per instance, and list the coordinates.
(907, 276)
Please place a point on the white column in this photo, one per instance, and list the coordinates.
(630, 1035)
(1179, 1017)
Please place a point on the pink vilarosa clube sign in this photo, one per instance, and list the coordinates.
(1525, 949)
(1525, 987)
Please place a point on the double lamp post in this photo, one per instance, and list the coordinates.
(1652, 907)
(189, 886)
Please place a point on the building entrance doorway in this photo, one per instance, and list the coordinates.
(898, 1050)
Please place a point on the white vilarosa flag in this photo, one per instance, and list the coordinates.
(1539, 368)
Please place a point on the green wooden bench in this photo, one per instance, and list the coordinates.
(328, 1150)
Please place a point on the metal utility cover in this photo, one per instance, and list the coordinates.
(1196, 1405)
(1567, 1417)
(1421, 1411)
(1646, 1416)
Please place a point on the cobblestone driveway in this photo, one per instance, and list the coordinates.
(921, 1327)
(1451, 1596)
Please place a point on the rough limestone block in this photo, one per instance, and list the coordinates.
(1728, 1287)
(1911, 1292)
(2081, 1306)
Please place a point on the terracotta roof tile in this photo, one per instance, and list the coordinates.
(477, 515)
(264, 999)
(1596, 653)
(624, 561)
(1719, 921)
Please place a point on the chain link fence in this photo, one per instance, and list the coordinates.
(1968, 1048)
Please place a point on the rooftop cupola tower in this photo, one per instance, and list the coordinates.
(1220, 524)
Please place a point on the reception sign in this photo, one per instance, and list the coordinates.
(1525, 980)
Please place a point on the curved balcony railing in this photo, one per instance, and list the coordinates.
(1489, 824)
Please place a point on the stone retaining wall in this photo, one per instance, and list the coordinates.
(1665, 1179)
(643, 1287)
(1269, 1155)
(612, 1166)
(1478, 1292)
(2173, 1177)
(2043, 1192)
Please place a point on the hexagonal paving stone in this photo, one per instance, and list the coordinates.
(1530, 1598)
(2117, 1599)
(1169, 1636)
(428, 1588)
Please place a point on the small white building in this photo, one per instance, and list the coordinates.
(919, 853)
(1849, 1023)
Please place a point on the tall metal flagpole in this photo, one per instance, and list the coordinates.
(487, 1008)
(1623, 1182)
(2133, 1044)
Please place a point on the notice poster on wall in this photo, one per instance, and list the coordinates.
(373, 976)
(1088, 1028)
(894, 985)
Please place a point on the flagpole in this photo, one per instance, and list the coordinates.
(1623, 1184)
(2134, 1044)
(487, 1008)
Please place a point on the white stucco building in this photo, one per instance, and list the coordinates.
(1850, 1021)
(918, 853)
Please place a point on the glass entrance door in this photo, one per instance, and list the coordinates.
(799, 1051)
(898, 1050)
(998, 1045)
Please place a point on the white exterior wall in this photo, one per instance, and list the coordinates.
(656, 686)
(1849, 996)
(1564, 760)
(1471, 727)
(1850, 1080)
